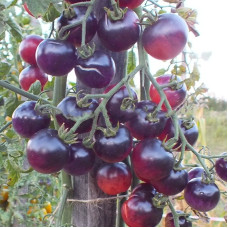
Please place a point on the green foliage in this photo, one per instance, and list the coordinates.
(216, 104)
(4, 68)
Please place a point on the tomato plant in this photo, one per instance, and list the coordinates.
(79, 101)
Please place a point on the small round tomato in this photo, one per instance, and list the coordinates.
(81, 160)
(75, 34)
(195, 173)
(165, 38)
(115, 148)
(56, 57)
(189, 129)
(119, 35)
(70, 109)
(31, 74)
(144, 124)
(27, 121)
(132, 4)
(114, 178)
(172, 184)
(175, 95)
(46, 152)
(27, 48)
(144, 190)
(183, 221)
(151, 161)
(201, 196)
(95, 71)
(115, 102)
(48, 207)
(221, 167)
(140, 212)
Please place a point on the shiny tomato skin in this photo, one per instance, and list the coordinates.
(195, 173)
(183, 222)
(142, 128)
(172, 184)
(175, 97)
(140, 212)
(166, 38)
(56, 57)
(68, 106)
(46, 152)
(113, 149)
(119, 35)
(151, 161)
(114, 104)
(221, 167)
(27, 48)
(75, 36)
(97, 71)
(114, 178)
(131, 4)
(190, 134)
(31, 74)
(201, 196)
(80, 161)
(144, 190)
(27, 121)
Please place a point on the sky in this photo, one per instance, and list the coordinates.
(213, 28)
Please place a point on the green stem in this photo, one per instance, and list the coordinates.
(65, 210)
(175, 215)
(5, 126)
(23, 93)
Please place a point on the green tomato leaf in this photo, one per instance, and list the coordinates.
(13, 175)
(131, 61)
(160, 72)
(51, 14)
(11, 104)
(40, 7)
(35, 88)
(4, 68)
(15, 29)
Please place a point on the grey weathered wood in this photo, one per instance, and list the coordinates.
(85, 187)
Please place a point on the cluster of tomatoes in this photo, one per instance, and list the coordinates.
(147, 124)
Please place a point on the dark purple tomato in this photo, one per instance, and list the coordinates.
(165, 38)
(189, 129)
(96, 71)
(56, 57)
(27, 121)
(114, 178)
(175, 96)
(115, 148)
(75, 35)
(132, 4)
(46, 152)
(31, 74)
(144, 190)
(27, 48)
(201, 196)
(151, 161)
(81, 160)
(183, 222)
(140, 212)
(172, 184)
(145, 125)
(69, 108)
(195, 173)
(221, 167)
(114, 104)
(119, 35)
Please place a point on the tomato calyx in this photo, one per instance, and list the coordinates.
(88, 142)
(109, 131)
(150, 16)
(128, 104)
(81, 101)
(160, 200)
(86, 51)
(188, 123)
(117, 13)
(68, 138)
(170, 143)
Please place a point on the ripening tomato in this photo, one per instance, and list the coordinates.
(132, 4)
